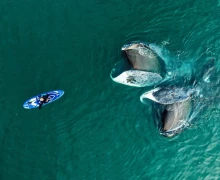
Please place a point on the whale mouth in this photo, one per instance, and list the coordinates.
(140, 67)
(170, 119)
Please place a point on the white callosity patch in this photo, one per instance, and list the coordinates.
(146, 52)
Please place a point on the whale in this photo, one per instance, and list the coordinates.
(175, 104)
(142, 66)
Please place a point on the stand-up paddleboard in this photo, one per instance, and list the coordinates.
(34, 101)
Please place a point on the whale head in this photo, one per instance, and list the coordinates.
(173, 107)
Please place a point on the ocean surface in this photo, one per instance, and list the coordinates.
(99, 130)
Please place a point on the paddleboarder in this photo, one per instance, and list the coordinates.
(43, 99)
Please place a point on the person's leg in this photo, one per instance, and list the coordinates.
(40, 105)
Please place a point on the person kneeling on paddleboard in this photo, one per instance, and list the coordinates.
(43, 99)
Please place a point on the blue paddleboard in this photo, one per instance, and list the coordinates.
(34, 101)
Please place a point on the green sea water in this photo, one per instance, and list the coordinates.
(99, 130)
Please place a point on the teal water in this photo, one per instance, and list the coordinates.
(100, 130)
